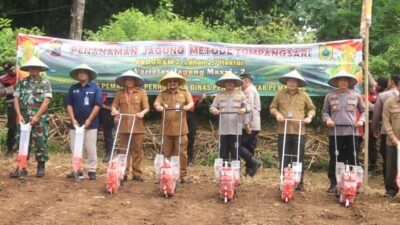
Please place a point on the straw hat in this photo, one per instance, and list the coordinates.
(34, 62)
(172, 75)
(74, 72)
(293, 75)
(129, 74)
(333, 81)
(229, 76)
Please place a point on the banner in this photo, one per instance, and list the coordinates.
(202, 63)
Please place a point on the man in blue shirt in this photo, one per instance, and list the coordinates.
(83, 104)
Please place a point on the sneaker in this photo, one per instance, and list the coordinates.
(17, 173)
(137, 178)
(73, 175)
(186, 180)
(92, 175)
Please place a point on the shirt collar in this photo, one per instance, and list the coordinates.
(287, 91)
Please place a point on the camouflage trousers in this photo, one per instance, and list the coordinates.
(38, 139)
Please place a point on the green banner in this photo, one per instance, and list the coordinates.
(202, 63)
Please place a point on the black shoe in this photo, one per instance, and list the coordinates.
(125, 177)
(72, 175)
(300, 187)
(17, 173)
(332, 189)
(92, 175)
(390, 194)
(41, 171)
(8, 154)
(252, 171)
(106, 158)
(186, 180)
(137, 178)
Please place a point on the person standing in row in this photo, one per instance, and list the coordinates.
(7, 86)
(291, 103)
(339, 114)
(131, 100)
(252, 126)
(107, 123)
(175, 97)
(32, 97)
(83, 104)
(192, 125)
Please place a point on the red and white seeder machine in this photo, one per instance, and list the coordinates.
(117, 165)
(167, 172)
(290, 174)
(349, 178)
(227, 174)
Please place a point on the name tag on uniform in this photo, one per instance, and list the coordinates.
(86, 101)
(289, 114)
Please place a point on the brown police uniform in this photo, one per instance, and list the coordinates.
(391, 121)
(174, 99)
(132, 103)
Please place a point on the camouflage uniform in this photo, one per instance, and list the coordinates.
(31, 92)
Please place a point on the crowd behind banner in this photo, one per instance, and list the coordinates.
(238, 111)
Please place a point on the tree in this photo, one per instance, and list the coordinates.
(78, 12)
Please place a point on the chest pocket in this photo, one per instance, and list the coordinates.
(237, 102)
(335, 105)
(299, 106)
(351, 105)
(135, 99)
(395, 113)
(39, 95)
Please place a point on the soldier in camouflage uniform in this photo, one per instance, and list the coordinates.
(31, 99)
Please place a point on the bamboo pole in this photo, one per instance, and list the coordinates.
(366, 90)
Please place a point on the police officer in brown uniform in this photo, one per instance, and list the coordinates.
(391, 122)
(175, 97)
(340, 107)
(131, 100)
(291, 103)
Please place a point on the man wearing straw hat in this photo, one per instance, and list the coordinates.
(291, 103)
(32, 97)
(232, 100)
(175, 97)
(340, 108)
(83, 105)
(131, 100)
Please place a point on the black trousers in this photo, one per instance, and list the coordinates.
(372, 150)
(391, 169)
(346, 149)
(12, 127)
(192, 126)
(291, 146)
(228, 149)
(383, 153)
(107, 123)
(249, 142)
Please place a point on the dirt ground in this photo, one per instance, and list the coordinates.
(55, 199)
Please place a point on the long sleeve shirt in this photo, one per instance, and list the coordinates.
(391, 119)
(253, 117)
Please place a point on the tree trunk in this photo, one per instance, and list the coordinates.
(77, 14)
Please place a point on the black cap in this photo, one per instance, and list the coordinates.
(7, 65)
(246, 75)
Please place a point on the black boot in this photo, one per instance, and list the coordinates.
(332, 188)
(252, 165)
(19, 173)
(9, 153)
(40, 169)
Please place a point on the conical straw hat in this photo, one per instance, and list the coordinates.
(293, 75)
(34, 62)
(172, 75)
(228, 76)
(333, 81)
(74, 72)
(122, 78)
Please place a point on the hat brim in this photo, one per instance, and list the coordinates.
(221, 83)
(122, 79)
(26, 68)
(74, 73)
(164, 82)
(283, 80)
(334, 81)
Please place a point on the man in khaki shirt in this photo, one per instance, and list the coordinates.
(175, 97)
(131, 100)
(291, 103)
(391, 122)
